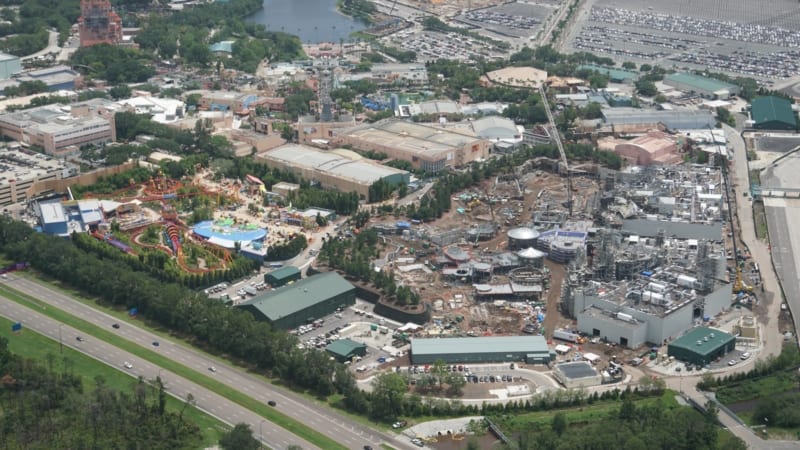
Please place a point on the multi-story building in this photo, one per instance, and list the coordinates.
(19, 170)
(98, 24)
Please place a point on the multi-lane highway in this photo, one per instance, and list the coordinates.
(204, 399)
(335, 426)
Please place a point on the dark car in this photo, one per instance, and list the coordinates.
(272, 403)
(367, 447)
(79, 339)
(116, 325)
(155, 343)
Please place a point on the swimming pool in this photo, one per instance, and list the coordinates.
(209, 229)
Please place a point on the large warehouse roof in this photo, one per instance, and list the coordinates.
(773, 109)
(702, 340)
(301, 156)
(412, 137)
(674, 120)
(700, 82)
(450, 346)
(307, 292)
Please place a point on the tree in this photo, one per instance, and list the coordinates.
(387, 396)
(646, 88)
(628, 65)
(239, 438)
(120, 91)
(559, 423)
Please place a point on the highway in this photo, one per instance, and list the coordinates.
(204, 399)
(335, 426)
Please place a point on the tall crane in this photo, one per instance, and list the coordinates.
(557, 137)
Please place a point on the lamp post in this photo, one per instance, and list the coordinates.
(60, 341)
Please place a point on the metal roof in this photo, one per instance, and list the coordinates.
(523, 233)
(343, 347)
(702, 340)
(679, 119)
(498, 344)
(307, 292)
(700, 82)
(613, 74)
(530, 253)
(577, 369)
(768, 109)
(680, 230)
(52, 212)
(284, 273)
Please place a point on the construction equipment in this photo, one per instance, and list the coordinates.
(557, 137)
(739, 285)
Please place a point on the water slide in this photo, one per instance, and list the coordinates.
(174, 236)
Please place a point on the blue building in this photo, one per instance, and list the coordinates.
(53, 218)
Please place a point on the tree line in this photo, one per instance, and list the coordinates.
(45, 406)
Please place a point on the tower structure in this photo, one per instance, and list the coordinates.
(99, 24)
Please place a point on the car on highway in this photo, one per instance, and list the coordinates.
(212, 369)
(367, 447)
(745, 355)
(79, 339)
(155, 344)
(116, 325)
(127, 365)
(272, 403)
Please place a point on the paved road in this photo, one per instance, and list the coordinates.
(335, 426)
(52, 47)
(213, 404)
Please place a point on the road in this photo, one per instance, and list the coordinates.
(52, 47)
(206, 400)
(328, 422)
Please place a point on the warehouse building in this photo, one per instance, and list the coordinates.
(302, 302)
(342, 170)
(282, 276)
(701, 346)
(9, 65)
(530, 349)
(702, 86)
(428, 148)
(614, 75)
(635, 120)
(772, 113)
(346, 349)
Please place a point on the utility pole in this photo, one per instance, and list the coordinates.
(60, 342)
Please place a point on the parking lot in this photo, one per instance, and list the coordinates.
(758, 39)
(511, 19)
(430, 46)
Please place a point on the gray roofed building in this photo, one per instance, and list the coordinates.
(497, 128)
(702, 86)
(333, 169)
(674, 120)
(532, 349)
(305, 300)
(680, 230)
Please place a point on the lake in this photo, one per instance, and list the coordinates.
(311, 20)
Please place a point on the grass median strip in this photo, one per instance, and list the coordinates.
(32, 345)
(231, 394)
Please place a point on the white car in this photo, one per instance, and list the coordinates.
(732, 362)
(127, 365)
(745, 355)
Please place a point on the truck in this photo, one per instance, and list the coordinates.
(383, 330)
(569, 336)
(250, 290)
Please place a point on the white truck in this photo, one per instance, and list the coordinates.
(250, 290)
(568, 336)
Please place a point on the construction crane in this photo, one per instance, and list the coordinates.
(557, 137)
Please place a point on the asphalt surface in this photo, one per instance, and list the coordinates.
(335, 426)
(205, 400)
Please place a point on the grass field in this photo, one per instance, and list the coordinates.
(30, 344)
(231, 394)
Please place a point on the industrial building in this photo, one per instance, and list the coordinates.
(699, 85)
(161, 110)
(521, 238)
(530, 349)
(63, 218)
(62, 129)
(498, 130)
(57, 78)
(20, 170)
(635, 120)
(342, 170)
(614, 75)
(428, 148)
(302, 302)
(772, 113)
(701, 346)
(577, 374)
(282, 276)
(655, 147)
(346, 349)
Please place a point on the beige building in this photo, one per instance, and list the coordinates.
(342, 170)
(655, 147)
(21, 170)
(517, 76)
(56, 127)
(425, 147)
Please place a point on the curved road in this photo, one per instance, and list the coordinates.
(213, 404)
(335, 426)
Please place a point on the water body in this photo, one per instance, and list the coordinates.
(311, 20)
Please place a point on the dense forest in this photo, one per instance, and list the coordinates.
(44, 408)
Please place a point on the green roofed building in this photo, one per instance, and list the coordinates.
(284, 275)
(345, 349)
(772, 113)
(529, 349)
(701, 346)
(702, 86)
(615, 75)
(302, 302)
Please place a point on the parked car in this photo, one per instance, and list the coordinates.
(399, 424)
(732, 362)
(745, 355)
